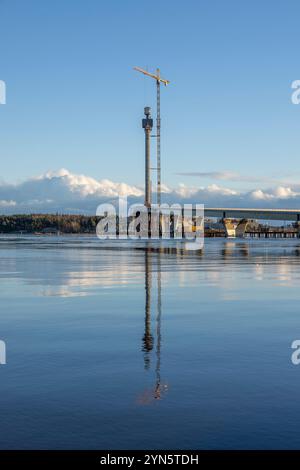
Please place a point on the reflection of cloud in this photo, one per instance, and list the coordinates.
(259, 272)
(282, 274)
(80, 283)
(62, 291)
(69, 270)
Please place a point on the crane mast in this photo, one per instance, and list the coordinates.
(159, 80)
(158, 165)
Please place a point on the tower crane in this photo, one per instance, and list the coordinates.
(159, 80)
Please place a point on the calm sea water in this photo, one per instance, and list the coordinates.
(137, 345)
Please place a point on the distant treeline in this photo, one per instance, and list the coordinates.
(48, 223)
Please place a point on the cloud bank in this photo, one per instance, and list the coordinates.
(65, 192)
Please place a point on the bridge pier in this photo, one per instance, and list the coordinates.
(235, 228)
(242, 227)
(230, 227)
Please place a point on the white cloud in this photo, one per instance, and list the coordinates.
(280, 192)
(4, 203)
(216, 175)
(66, 192)
(213, 188)
(88, 186)
(184, 191)
(258, 194)
(238, 178)
(283, 193)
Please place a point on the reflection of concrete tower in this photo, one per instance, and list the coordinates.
(160, 388)
(147, 338)
(147, 124)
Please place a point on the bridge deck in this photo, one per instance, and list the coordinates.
(240, 213)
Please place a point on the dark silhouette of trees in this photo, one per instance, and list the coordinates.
(47, 223)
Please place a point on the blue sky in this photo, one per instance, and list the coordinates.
(73, 100)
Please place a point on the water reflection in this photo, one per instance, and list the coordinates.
(147, 338)
(148, 341)
(71, 267)
(238, 249)
(218, 324)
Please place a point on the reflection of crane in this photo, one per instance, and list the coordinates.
(160, 387)
(147, 338)
(159, 80)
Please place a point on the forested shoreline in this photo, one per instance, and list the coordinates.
(47, 223)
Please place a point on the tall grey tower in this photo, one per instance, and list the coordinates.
(147, 124)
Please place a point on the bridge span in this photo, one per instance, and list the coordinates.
(235, 220)
(243, 213)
